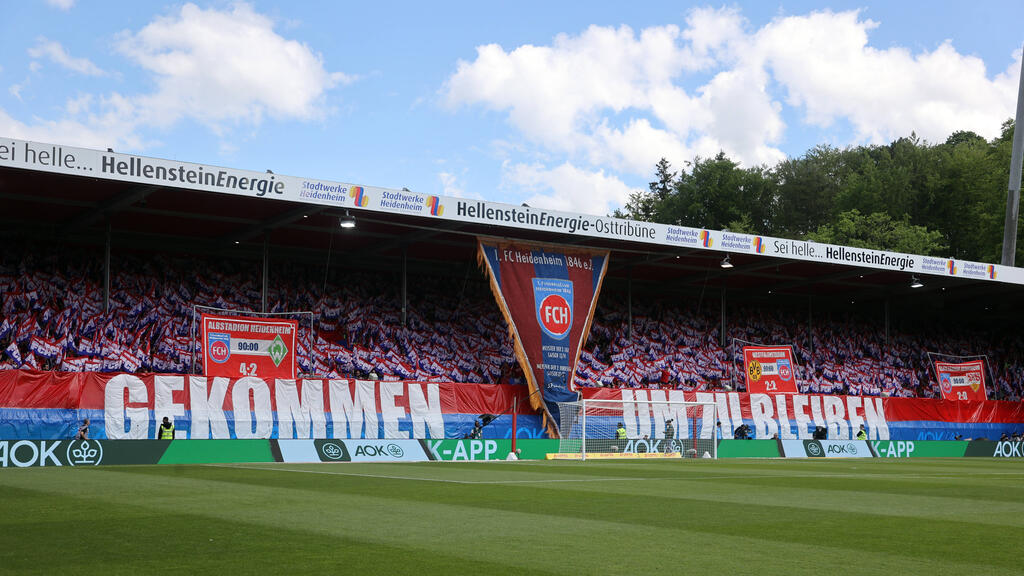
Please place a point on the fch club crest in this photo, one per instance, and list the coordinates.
(220, 346)
(553, 300)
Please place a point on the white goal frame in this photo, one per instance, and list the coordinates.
(697, 439)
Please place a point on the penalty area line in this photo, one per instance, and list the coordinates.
(421, 479)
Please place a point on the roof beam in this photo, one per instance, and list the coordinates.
(271, 223)
(112, 204)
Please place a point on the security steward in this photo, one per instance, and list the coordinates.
(862, 435)
(166, 430)
(620, 432)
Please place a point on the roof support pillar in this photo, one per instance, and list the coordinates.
(106, 272)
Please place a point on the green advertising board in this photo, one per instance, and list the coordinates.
(455, 450)
(216, 451)
(748, 449)
(32, 453)
(54, 453)
(993, 449)
(464, 450)
(919, 448)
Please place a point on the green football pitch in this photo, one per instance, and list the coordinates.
(598, 517)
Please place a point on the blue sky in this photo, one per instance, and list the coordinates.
(561, 105)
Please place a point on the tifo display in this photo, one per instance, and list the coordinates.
(449, 338)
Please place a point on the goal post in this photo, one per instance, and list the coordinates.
(637, 429)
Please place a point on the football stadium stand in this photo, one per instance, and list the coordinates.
(53, 318)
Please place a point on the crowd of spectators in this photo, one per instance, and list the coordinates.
(53, 318)
(838, 354)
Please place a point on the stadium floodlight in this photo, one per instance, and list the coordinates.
(726, 263)
(347, 221)
(915, 283)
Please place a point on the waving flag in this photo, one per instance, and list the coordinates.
(13, 353)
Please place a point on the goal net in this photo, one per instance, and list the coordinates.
(637, 429)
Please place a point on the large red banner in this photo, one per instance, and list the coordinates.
(769, 369)
(547, 295)
(965, 381)
(236, 346)
(793, 416)
(53, 404)
(130, 406)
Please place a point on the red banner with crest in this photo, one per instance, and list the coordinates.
(769, 369)
(964, 381)
(547, 295)
(235, 346)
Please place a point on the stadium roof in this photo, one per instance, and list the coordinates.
(70, 194)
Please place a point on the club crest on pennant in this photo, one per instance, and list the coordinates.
(553, 300)
(785, 371)
(219, 345)
(974, 381)
(945, 382)
(277, 350)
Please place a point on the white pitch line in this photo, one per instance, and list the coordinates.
(415, 478)
(611, 479)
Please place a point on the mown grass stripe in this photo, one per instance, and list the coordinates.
(597, 527)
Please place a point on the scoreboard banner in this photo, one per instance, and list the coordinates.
(547, 295)
(235, 346)
(963, 382)
(769, 369)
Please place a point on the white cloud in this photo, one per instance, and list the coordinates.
(830, 71)
(450, 186)
(712, 32)
(64, 5)
(616, 100)
(100, 130)
(57, 54)
(230, 66)
(566, 188)
(220, 68)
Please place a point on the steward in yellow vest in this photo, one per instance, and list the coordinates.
(166, 430)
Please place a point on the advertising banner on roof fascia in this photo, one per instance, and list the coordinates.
(61, 159)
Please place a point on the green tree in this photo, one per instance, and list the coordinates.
(881, 232)
(710, 196)
(807, 190)
(645, 206)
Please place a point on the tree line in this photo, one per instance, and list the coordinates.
(911, 196)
